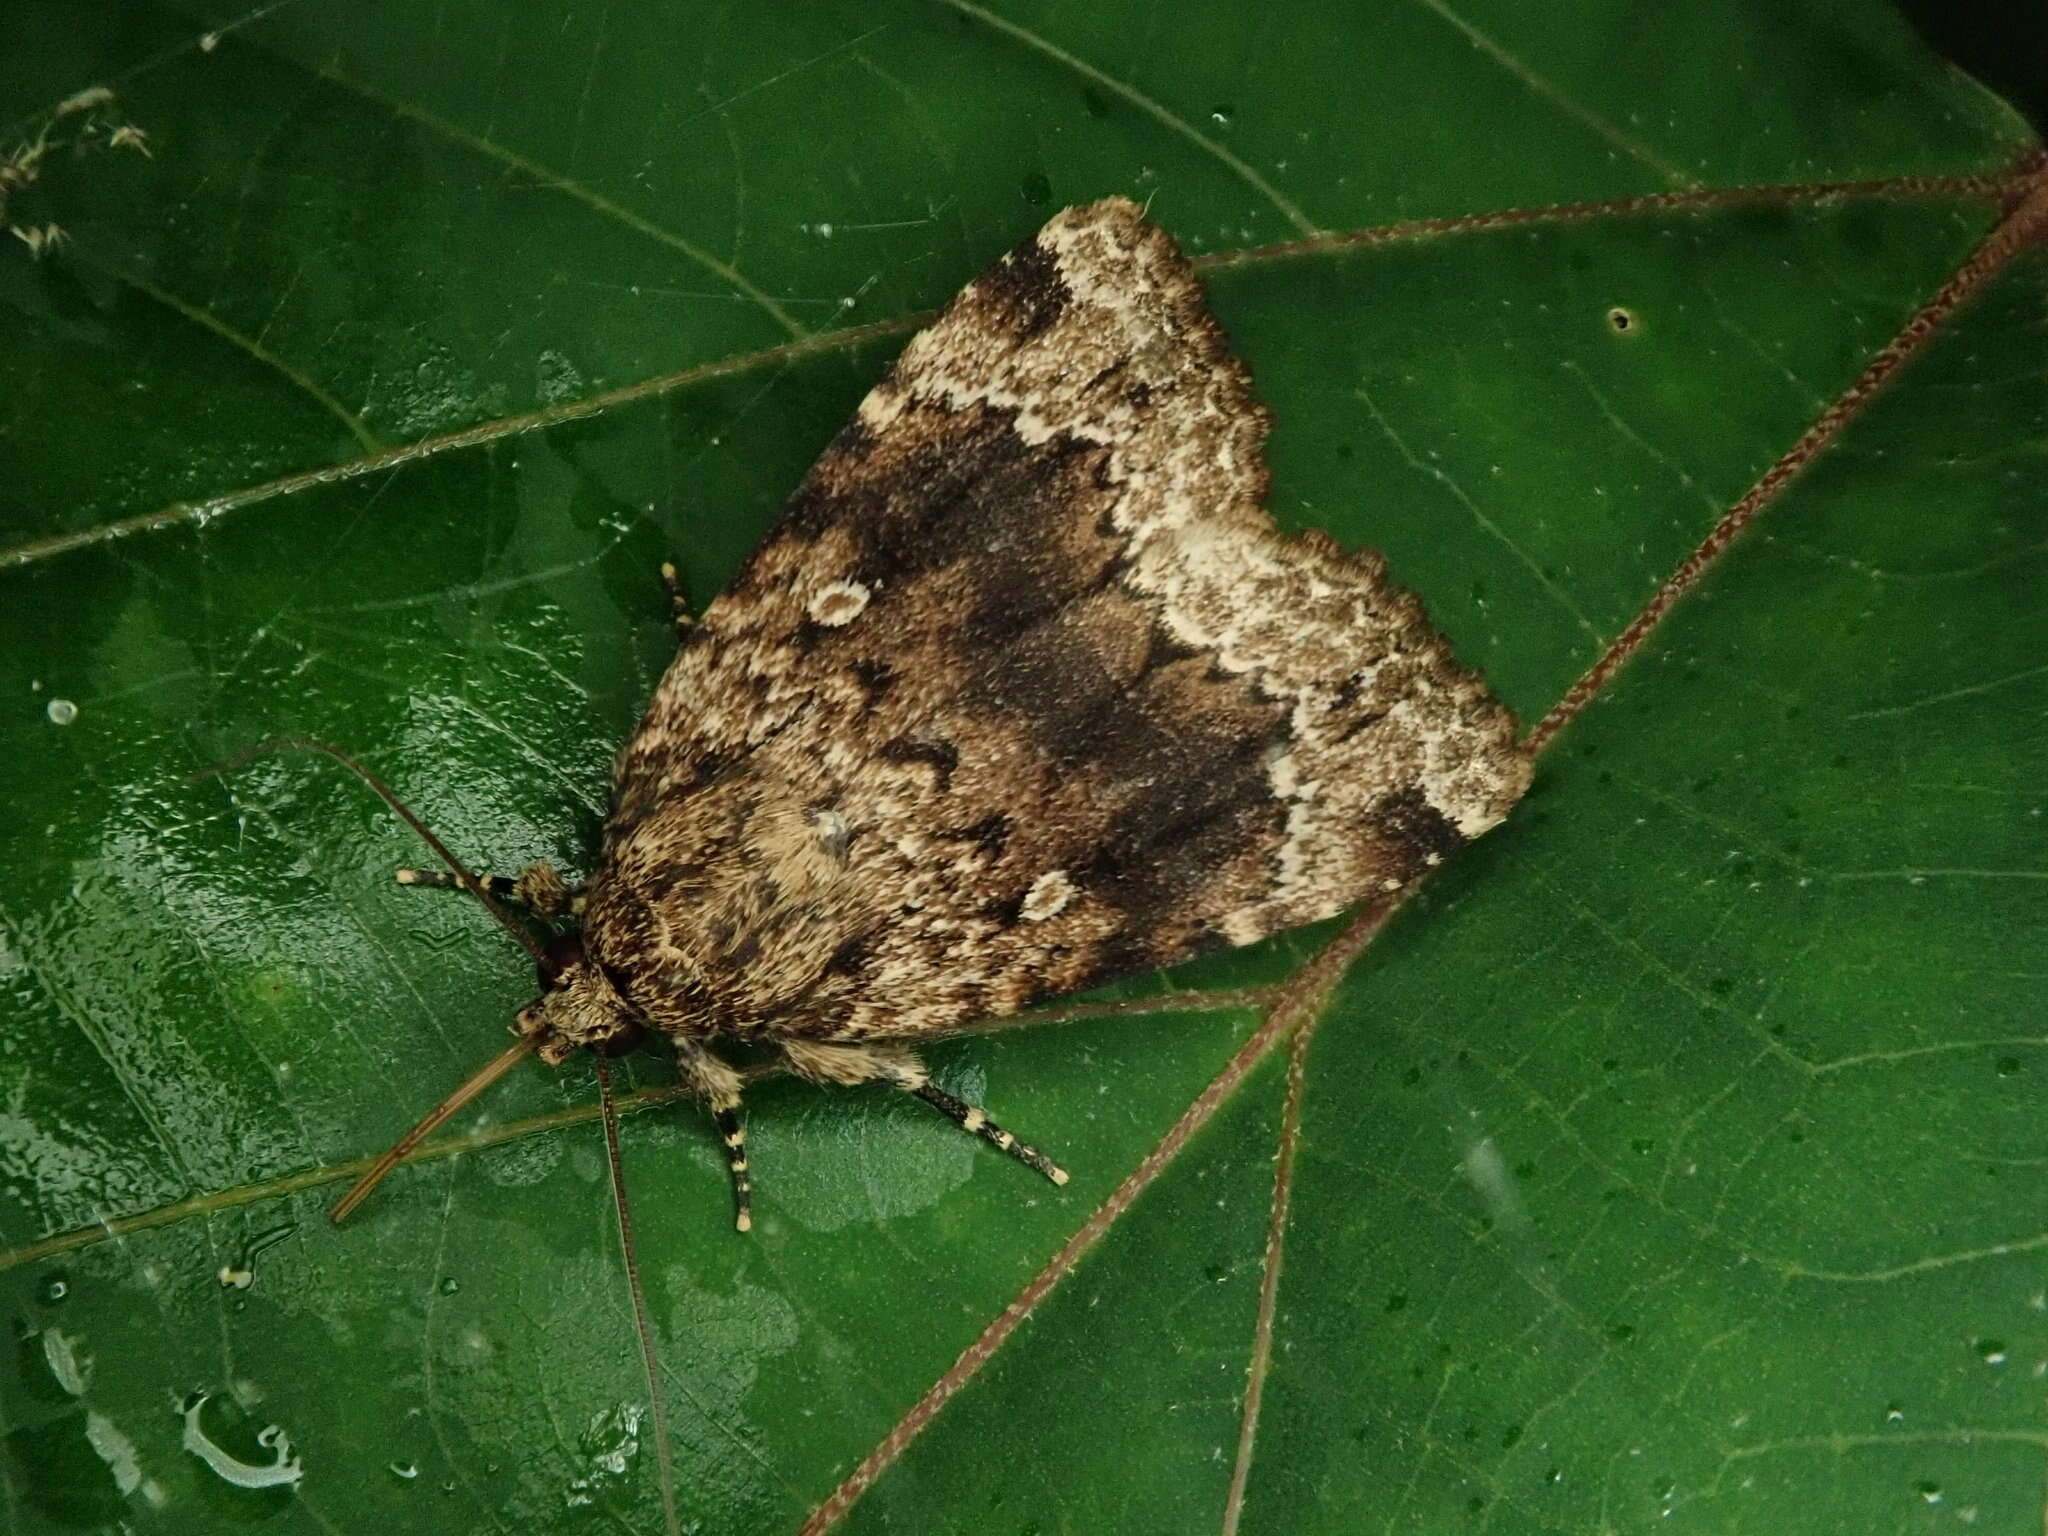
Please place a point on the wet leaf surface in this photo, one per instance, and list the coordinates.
(1676, 1153)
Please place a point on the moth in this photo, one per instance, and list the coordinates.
(1024, 691)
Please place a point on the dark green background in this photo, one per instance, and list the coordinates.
(1678, 1155)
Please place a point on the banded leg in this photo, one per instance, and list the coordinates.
(539, 887)
(823, 1063)
(678, 599)
(971, 1118)
(719, 1087)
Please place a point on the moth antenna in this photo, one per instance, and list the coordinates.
(432, 1121)
(463, 875)
(664, 1467)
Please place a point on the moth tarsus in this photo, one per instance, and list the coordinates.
(972, 1120)
(440, 879)
(725, 1115)
(538, 888)
(1022, 692)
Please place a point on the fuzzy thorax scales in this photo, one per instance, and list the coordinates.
(720, 908)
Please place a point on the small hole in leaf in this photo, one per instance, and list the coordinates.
(1623, 322)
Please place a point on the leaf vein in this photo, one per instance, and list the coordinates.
(1157, 112)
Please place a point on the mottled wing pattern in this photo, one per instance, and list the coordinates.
(1028, 630)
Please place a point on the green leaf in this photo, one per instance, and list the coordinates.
(1675, 1153)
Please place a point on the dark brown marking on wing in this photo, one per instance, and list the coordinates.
(941, 756)
(876, 678)
(851, 957)
(856, 440)
(1109, 373)
(1365, 722)
(968, 494)
(990, 834)
(1417, 831)
(1026, 289)
(1004, 911)
(1175, 838)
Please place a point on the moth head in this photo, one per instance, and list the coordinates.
(578, 1007)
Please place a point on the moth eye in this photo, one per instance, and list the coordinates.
(561, 953)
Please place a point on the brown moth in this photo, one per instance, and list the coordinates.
(1023, 692)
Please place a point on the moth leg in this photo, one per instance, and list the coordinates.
(718, 1085)
(971, 1117)
(539, 888)
(823, 1063)
(678, 599)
